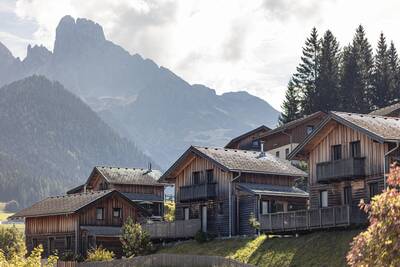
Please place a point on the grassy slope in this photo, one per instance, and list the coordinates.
(4, 215)
(315, 249)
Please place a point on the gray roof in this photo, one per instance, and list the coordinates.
(116, 175)
(58, 205)
(111, 231)
(386, 111)
(136, 197)
(237, 160)
(378, 127)
(273, 190)
(238, 138)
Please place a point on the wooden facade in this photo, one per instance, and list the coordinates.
(249, 140)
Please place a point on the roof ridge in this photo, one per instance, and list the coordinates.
(365, 115)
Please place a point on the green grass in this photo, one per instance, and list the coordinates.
(315, 249)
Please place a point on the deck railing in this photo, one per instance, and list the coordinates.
(340, 169)
(311, 219)
(173, 230)
(197, 192)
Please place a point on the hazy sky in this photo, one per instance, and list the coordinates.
(227, 45)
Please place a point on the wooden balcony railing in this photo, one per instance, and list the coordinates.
(338, 216)
(340, 169)
(197, 192)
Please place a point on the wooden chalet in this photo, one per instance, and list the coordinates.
(77, 222)
(139, 185)
(223, 187)
(249, 140)
(348, 155)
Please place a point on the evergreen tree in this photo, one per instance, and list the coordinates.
(350, 80)
(394, 70)
(307, 73)
(327, 83)
(364, 90)
(381, 75)
(290, 106)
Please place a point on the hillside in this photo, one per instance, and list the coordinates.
(319, 249)
(50, 140)
(150, 105)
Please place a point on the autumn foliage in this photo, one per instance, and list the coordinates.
(379, 245)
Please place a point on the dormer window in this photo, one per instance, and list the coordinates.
(309, 129)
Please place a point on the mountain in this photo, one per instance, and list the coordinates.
(144, 102)
(50, 140)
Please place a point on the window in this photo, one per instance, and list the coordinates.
(68, 242)
(336, 152)
(309, 129)
(323, 199)
(347, 195)
(210, 176)
(287, 151)
(117, 213)
(196, 177)
(277, 154)
(277, 206)
(373, 190)
(264, 207)
(355, 149)
(100, 213)
(186, 213)
(255, 143)
(51, 245)
(220, 208)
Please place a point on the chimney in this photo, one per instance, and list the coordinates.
(262, 154)
(149, 166)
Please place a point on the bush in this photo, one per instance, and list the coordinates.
(379, 244)
(11, 242)
(99, 254)
(169, 214)
(254, 223)
(33, 260)
(135, 241)
(12, 206)
(200, 236)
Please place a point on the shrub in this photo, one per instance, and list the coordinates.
(33, 260)
(12, 206)
(135, 241)
(11, 242)
(169, 214)
(99, 254)
(379, 244)
(200, 236)
(254, 223)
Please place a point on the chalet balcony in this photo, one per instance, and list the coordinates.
(338, 170)
(197, 192)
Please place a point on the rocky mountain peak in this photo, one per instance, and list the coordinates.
(5, 54)
(73, 36)
(37, 55)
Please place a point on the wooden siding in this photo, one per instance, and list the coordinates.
(196, 163)
(50, 224)
(266, 179)
(246, 142)
(141, 189)
(88, 215)
(340, 134)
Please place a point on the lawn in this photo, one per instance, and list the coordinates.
(314, 249)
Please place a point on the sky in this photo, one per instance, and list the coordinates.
(228, 45)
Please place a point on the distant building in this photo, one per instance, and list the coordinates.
(139, 185)
(249, 140)
(389, 111)
(223, 187)
(77, 222)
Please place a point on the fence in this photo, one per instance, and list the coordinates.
(312, 219)
(173, 230)
(163, 260)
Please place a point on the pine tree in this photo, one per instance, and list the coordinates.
(350, 79)
(394, 70)
(327, 83)
(381, 75)
(364, 90)
(307, 73)
(290, 106)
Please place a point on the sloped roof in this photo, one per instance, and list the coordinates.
(117, 175)
(379, 128)
(237, 160)
(273, 190)
(65, 204)
(386, 111)
(236, 139)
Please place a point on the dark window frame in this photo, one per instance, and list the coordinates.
(68, 242)
(210, 176)
(347, 195)
(320, 199)
(102, 213)
(287, 152)
(119, 210)
(373, 189)
(336, 152)
(196, 177)
(277, 154)
(309, 129)
(220, 208)
(355, 149)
